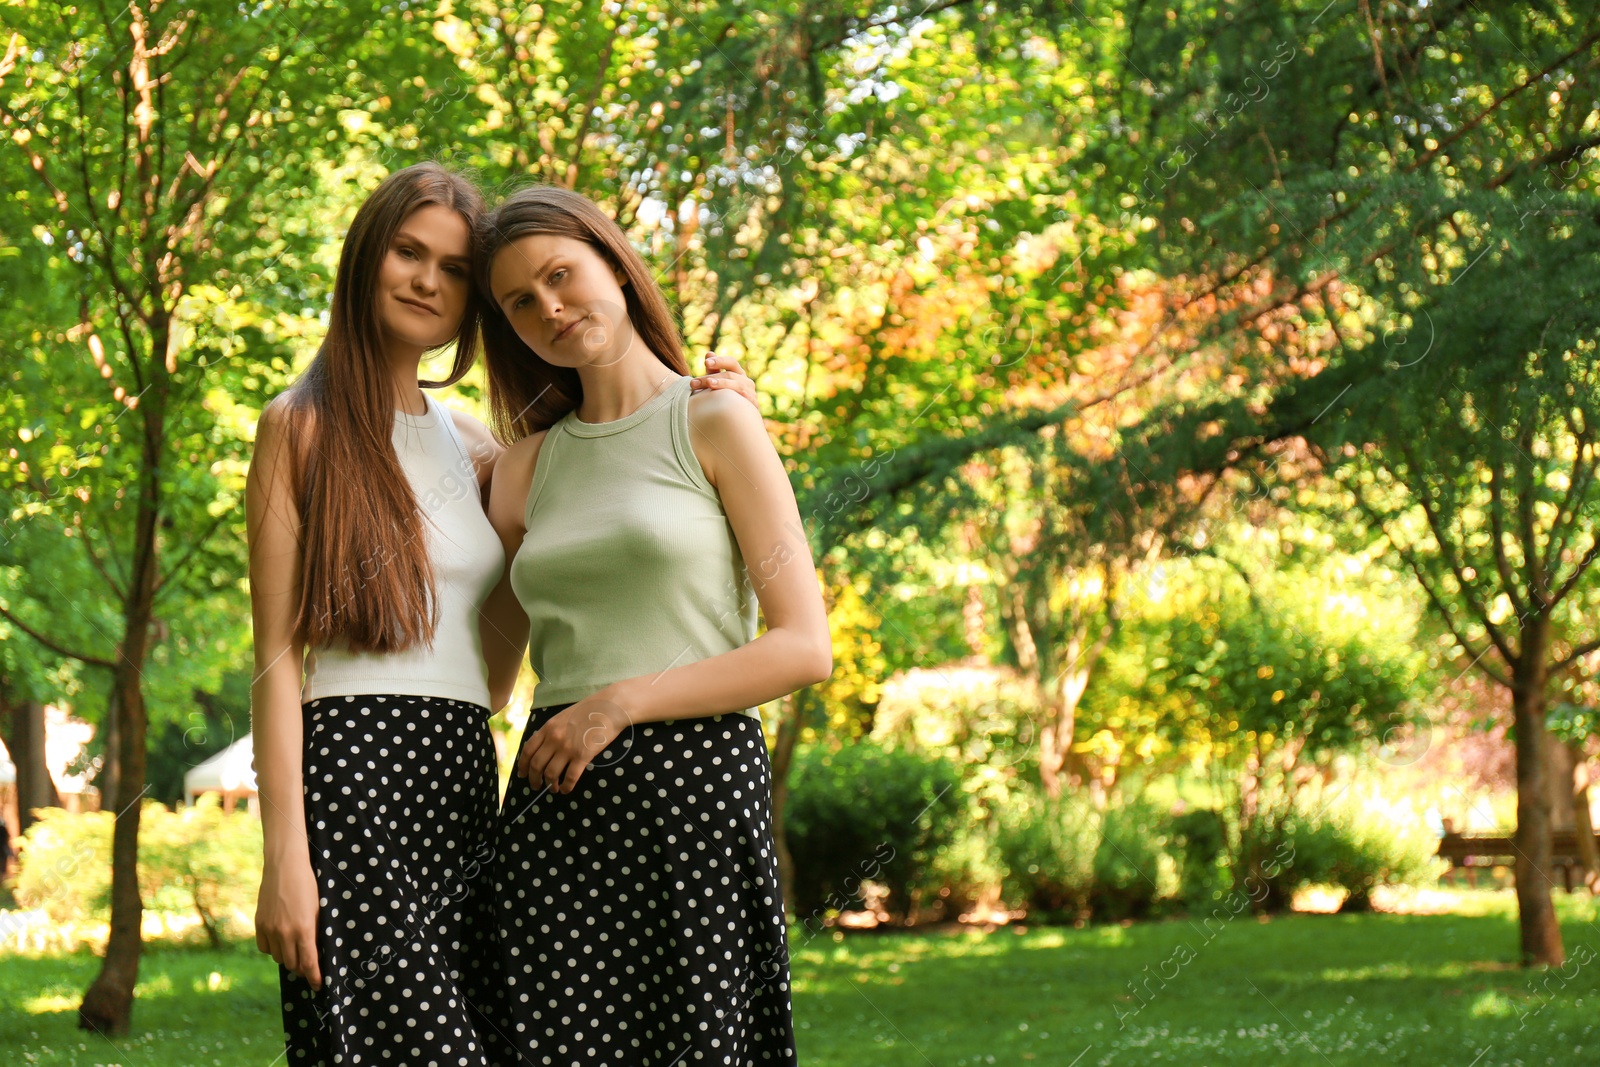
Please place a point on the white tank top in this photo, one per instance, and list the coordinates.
(467, 562)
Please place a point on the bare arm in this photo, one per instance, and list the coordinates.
(484, 450)
(502, 623)
(795, 651)
(286, 908)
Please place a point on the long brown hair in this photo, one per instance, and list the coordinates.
(365, 574)
(526, 394)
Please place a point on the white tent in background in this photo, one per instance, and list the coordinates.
(230, 772)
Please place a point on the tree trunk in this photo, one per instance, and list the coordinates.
(1064, 674)
(1582, 825)
(35, 788)
(1540, 933)
(1559, 772)
(782, 759)
(108, 779)
(108, 1003)
(1055, 740)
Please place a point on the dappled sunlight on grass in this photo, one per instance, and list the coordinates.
(1492, 1005)
(1335, 990)
(1397, 970)
(53, 1002)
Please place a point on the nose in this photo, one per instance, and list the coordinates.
(549, 306)
(426, 278)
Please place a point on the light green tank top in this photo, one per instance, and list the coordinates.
(629, 566)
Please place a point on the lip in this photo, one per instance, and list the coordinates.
(415, 304)
(568, 328)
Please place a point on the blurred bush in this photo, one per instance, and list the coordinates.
(964, 875)
(862, 813)
(1351, 843)
(980, 718)
(201, 858)
(1200, 844)
(1047, 849)
(1133, 866)
(1361, 845)
(196, 860)
(64, 864)
(913, 823)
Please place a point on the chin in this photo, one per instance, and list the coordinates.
(416, 337)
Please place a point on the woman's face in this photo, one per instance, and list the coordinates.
(563, 299)
(425, 278)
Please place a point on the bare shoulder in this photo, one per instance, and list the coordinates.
(481, 444)
(723, 411)
(286, 428)
(513, 477)
(285, 411)
(725, 428)
(525, 453)
(277, 460)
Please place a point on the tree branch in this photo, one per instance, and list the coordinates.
(1409, 557)
(60, 650)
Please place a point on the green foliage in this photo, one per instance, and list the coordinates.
(197, 860)
(1344, 841)
(979, 718)
(1456, 423)
(1047, 848)
(64, 864)
(1255, 681)
(964, 872)
(1200, 841)
(865, 813)
(178, 744)
(201, 859)
(1133, 866)
(1361, 846)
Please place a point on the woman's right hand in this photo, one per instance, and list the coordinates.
(286, 918)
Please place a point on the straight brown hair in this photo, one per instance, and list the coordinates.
(365, 575)
(526, 394)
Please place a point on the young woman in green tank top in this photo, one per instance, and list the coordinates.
(639, 914)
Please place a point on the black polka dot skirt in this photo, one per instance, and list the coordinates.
(401, 795)
(640, 917)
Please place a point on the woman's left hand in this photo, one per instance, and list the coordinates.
(558, 751)
(724, 372)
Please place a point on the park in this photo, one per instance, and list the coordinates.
(1190, 414)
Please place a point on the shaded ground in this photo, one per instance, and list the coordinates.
(1323, 989)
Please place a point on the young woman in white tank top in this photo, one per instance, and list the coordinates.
(370, 559)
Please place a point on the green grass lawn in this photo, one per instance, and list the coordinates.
(1312, 989)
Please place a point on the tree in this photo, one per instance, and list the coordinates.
(153, 156)
(1409, 173)
(1262, 678)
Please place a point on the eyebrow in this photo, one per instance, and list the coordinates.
(519, 290)
(404, 235)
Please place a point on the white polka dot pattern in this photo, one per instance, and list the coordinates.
(400, 800)
(640, 917)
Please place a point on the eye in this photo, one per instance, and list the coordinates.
(404, 251)
(558, 275)
(517, 304)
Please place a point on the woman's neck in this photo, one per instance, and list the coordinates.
(405, 362)
(614, 390)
